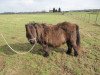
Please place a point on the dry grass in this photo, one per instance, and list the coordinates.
(58, 63)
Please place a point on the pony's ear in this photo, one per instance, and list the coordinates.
(35, 25)
(43, 25)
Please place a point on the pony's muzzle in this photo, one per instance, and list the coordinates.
(32, 41)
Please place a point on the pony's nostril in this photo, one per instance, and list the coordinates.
(32, 42)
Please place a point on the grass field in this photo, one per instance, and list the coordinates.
(58, 63)
(90, 17)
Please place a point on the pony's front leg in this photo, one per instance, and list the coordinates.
(46, 51)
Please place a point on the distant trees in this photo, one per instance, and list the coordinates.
(59, 10)
(55, 10)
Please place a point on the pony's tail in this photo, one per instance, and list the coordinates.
(78, 36)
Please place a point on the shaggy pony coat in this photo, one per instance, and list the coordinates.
(54, 35)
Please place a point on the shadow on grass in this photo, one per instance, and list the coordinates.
(24, 47)
(20, 47)
(96, 25)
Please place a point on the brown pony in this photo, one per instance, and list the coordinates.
(54, 36)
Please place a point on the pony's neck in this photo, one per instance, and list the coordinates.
(39, 33)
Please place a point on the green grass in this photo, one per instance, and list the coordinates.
(89, 17)
(58, 63)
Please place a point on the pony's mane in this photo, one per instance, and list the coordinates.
(38, 24)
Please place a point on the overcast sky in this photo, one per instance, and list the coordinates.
(38, 5)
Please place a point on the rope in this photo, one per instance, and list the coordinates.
(15, 50)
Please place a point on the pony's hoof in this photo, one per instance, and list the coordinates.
(46, 55)
(75, 54)
(68, 52)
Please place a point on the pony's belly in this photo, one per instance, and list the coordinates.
(56, 44)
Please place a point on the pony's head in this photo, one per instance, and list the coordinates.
(31, 32)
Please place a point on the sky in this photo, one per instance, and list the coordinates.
(39, 5)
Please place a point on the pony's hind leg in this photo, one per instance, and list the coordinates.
(75, 49)
(74, 45)
(69, 47)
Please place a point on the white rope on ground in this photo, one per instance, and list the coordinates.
(15, 50)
